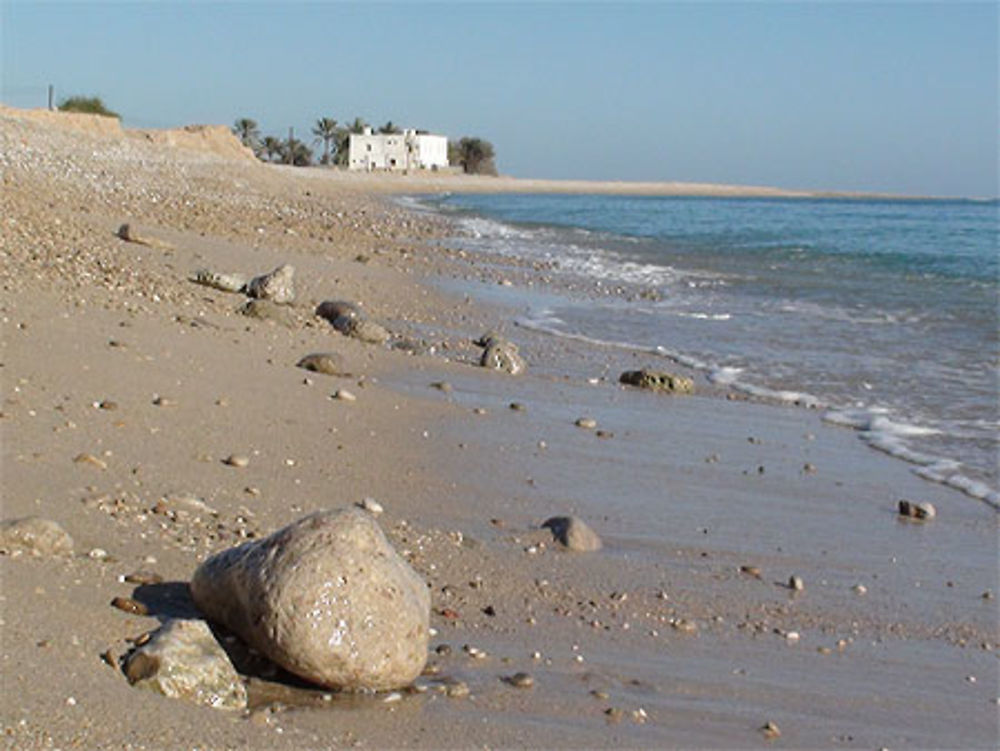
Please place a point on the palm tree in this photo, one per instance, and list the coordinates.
(271, 147)
(344, 140)
(293, 151)
(390, 127)
(325, 130)
(246, 130)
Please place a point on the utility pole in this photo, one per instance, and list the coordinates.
(291, 140)
(52, 91)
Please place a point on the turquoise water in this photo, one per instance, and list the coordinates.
(881, 312)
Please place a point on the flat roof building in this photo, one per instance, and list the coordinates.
(396, 152)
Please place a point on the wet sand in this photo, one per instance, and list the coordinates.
(677, 634)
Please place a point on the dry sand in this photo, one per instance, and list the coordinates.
(659, 640)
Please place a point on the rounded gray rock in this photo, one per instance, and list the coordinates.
(329, 363)
(327, 598)
(573, 533)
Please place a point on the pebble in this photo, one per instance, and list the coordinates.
(90, 459)
(860, 589)
(372, 506)
(920, 510)
(128, 605)
(770, 730)
(521, 680)
(517, 407)
(753, 571)
(98, 554)
(237, 460)
(589, 423)
(344, 395)
(796, 583)
(107, 404)
(456, 689)
(604, 434)
(442, 386)
(143, 578)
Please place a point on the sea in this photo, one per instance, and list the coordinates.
(881, 313)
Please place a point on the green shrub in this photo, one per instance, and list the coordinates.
(92, 105)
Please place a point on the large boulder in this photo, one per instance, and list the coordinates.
(182, 660)
(327, 598)
(276, 285)
(36, 536)
(656, 380)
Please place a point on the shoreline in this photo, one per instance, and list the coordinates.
(666, 619)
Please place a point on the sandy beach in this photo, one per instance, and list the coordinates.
(126, 386)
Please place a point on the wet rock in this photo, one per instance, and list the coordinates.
(520, 680)
(328, 363)
(182, 660)
(920, 510)
(128, 605)
(770, 730)
(276, 285)
(349, 320)
(36, 536)
(327, 598)
(501, 355)
(268, 310)
(656, 380)
(219, 280)
(795, 583)
(573, 533)
(589, 423)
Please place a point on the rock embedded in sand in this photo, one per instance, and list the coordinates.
(327, 598)
(920, 510)
(268, 310)
(656, 380)
(501, 354)
(37, 536)
(182, 660)
(219, 280)
(128, 233)
(573, 533)
(277, 285)
(588, 423)
(349, 320)
(328, 363)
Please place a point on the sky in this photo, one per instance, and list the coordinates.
(897, 97)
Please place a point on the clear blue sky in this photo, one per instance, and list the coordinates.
(890, 97)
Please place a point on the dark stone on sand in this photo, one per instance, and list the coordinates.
(920, 510)
(501, 354)
(329, 363)
(350, 321)
(327, 598)
(573, 533)
(656, 380)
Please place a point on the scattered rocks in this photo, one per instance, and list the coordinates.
(276, 285)
(919, 510)
(328, 363)
(573, 533)
(327, 598)
(268, 310)
(500, 354)
(182, 660)
(656, 380)
(34, 535)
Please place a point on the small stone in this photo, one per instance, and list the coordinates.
(920, 510)
(614, 715)
(517, 407)
(443, 649)
(598, 694)
(182, 660)
(521, 680)
(128, 605)
(860, 589)
(809, 468)
(97, 554)
(753, 571)
(456, 689)
(237, 460)
(573, 533)
(658, 381)
(589, 423)
(328, 363)
(442, 386)
(604, 434)
(501, 355)
(770, 730)
(35, 535)
(90, 459)
(796, 583)
(372, 506)
(344, 395)
(143, 578)
(108, 405)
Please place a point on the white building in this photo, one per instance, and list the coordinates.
(408, 150)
